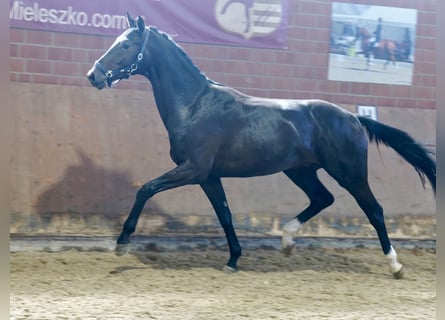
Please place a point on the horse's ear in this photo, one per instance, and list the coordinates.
(141, 23)
(131, 21)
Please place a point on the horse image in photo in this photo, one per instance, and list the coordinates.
(386, 49)
(216, 132)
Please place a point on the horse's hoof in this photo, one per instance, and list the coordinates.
(122, 249)
(228, 269)
(289, 251)
(398, 274)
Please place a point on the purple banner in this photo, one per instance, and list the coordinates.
(248, 23)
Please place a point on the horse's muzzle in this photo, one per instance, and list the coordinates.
(96, 79)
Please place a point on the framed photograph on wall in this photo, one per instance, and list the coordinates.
(372, 43)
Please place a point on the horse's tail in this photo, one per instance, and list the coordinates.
(405, 146)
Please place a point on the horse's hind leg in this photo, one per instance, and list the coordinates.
(320, 198)
(358, 187)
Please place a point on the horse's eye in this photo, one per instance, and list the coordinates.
(125, 45)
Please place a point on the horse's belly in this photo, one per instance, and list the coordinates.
(256, 162)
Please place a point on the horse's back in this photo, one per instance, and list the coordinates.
(261, 136)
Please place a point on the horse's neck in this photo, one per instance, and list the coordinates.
(176, 84)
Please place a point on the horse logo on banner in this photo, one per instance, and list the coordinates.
(249, 18)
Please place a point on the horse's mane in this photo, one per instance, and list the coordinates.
(181, 51)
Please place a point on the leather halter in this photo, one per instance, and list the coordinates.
(114, 76)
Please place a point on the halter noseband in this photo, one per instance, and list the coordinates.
(114, 76)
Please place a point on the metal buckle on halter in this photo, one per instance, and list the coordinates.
(109, 74)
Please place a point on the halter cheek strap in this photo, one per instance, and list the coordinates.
(114, 76)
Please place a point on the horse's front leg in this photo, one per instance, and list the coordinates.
(180, 176)
(214, 190)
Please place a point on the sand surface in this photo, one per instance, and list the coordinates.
(314, 284)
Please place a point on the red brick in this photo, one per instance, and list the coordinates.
(425, 55)
(39, 66)
(344, 87)
(318, 73)
(386, 102)
(204, 65)
(93, 42)
(400, 3)
(39, 37)
(426, 104)
(239, 53)
(261, 82)
(62, 54)
(424, 92)
(34, 52)
(44, 78)
(315, 8)
(286, 84)
(427, 5)
(381, 90)
(24, 77)
(16, 65)
(237, 81)
(260, 69)
(69, 40)
(325, 96)
(306, 84)
(285, 57)
(93, 55)
(71, 81)
(13, 76)
(318, 34)
(318, 60)
(402, 91)
(16, 35)
(236, 67)
(203, 51)
(341, 99)
(406, 103)
(220, 65)
(263, 56)
(365, 100)
(328, 86)
(360, 88)
(426, 43)
(428, 81)
(298, 32)
(280, 70)
(426, 18)
(426, 30)
(425, 68)
(14, 50)
(223, 53)
(79, 55)
(67, 68)
(310, 21)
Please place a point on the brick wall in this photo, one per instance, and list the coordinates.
(77, 160)
(298, 72)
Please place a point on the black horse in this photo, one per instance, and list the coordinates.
(216, 131)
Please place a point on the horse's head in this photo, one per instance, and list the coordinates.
(363, 33)
(124, 58)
